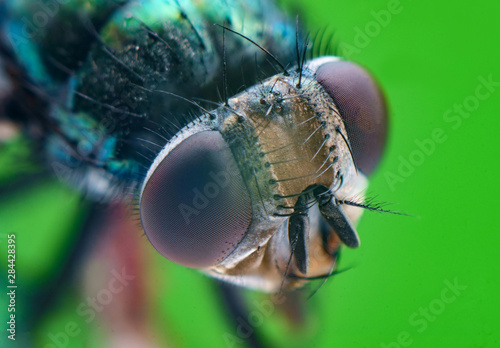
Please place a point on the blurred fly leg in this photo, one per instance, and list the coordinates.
(238, 311)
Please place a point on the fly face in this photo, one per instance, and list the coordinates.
(259, 191)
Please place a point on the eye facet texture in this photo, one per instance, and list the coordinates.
(362, 108)
(195, 207)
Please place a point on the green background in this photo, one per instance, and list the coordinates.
(440, 167)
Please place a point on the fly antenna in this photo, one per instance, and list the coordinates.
(370, 205)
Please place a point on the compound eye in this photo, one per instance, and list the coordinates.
(362, 107)
(195, 207)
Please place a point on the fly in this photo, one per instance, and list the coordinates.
(260, 191)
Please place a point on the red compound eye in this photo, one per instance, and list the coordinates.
(195, 207)
(362, 107)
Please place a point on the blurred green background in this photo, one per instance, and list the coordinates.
(428, 280)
